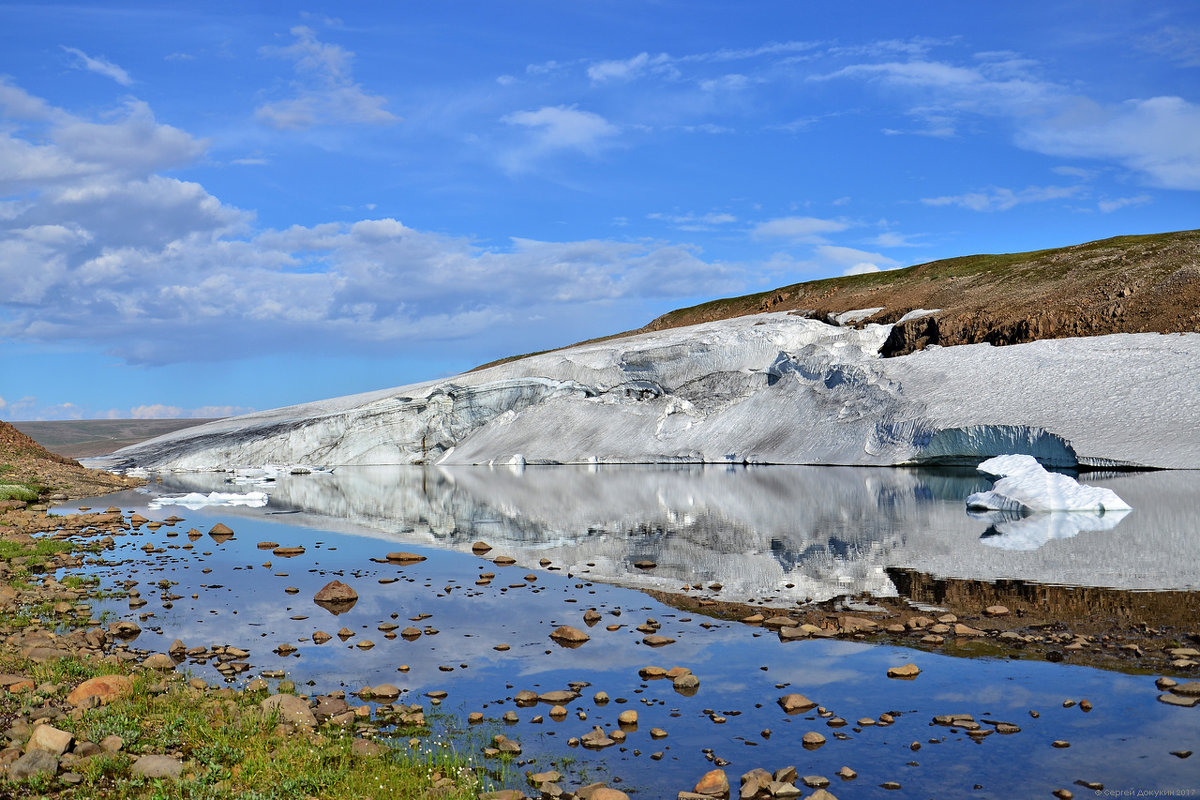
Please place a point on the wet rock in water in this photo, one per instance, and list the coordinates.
(686, 684)
(651, 673)
(891, 786)
(645, 564)
(288, 552)
(714, 783)
(655, 640)
(906, 671)
(1189, 689)
(591, 617)
(795, 703)
(481, 547)
(1063, 794)
(1178, 700)
(157, 767)
(504, 561)
(344, 633)
(821, 794)
(267, 545)
(385, 691)
(847, 774)
(557, 696)
(404, 558)
(220, 529)
(566, 636)
(596, 739)
(335, 592)
(627, 717)
(812, 740)
(100, 690)
(775, 623)
(35, 762)
(321, 637)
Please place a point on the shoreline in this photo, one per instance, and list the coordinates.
(1110, 641)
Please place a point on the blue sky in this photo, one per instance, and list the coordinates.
(236, 206)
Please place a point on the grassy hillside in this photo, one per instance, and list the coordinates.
(1127, 284)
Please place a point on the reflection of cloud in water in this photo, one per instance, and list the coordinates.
(1014, 531)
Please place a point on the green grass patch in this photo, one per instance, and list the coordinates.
(18, 491)
(231, 750)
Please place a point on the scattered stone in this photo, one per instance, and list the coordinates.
(50, 739)
(479, 548)
(291, 709)
(847, 774)
(35, 762)
(996, 611)
(795, 704)
(566, 636)
(335, 592)
(906, 671)
(812, 740)
(596, 739)
(160, 662)
(288, 552)
(655, 640)
(100, 690)
(404, 558)
(220, 529)
(157, 766)
(714, 783)
(627, 717)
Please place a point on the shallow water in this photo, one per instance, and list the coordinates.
(826, 531)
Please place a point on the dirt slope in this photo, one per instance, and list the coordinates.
(24, 461)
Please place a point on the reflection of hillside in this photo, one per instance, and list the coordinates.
(1064, 603)
(827, 531)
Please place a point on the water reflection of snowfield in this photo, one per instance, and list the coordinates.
(779, 533)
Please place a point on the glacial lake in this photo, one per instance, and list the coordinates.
(779, 535)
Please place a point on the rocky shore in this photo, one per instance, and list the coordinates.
(87, 712)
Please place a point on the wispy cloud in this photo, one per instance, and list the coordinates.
(695, 222)
(100, 66)
(325, 92)
(798, 229)
(557, 129)
(1109, 206)
(1002, 199)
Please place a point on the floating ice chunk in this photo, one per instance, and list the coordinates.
(196, 500)
(1024, 485)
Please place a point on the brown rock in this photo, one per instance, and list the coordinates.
(906, 671)
(795, 703)
(404, 558)
(567, 636)
(104, 689)
(714, 783)
(335, 592)
(50, 739)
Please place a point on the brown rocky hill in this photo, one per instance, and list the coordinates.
(1127, 284)
(23, 461)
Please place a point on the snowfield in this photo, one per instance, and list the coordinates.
(768, 388)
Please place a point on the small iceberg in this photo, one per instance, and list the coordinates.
(1024, 486)
(196, 500)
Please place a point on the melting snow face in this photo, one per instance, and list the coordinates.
(1023, 485)
(761, 389)
(195, 500)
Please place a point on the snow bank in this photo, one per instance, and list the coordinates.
(1024, 485)
(195, 500)
(768, 388)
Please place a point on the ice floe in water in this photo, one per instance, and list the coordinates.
(195, 500)
(1023, 485)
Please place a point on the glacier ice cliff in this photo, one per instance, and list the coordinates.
(769, 388)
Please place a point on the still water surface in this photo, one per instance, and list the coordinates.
(784, 534)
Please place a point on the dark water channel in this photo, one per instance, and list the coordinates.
(780, 534)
